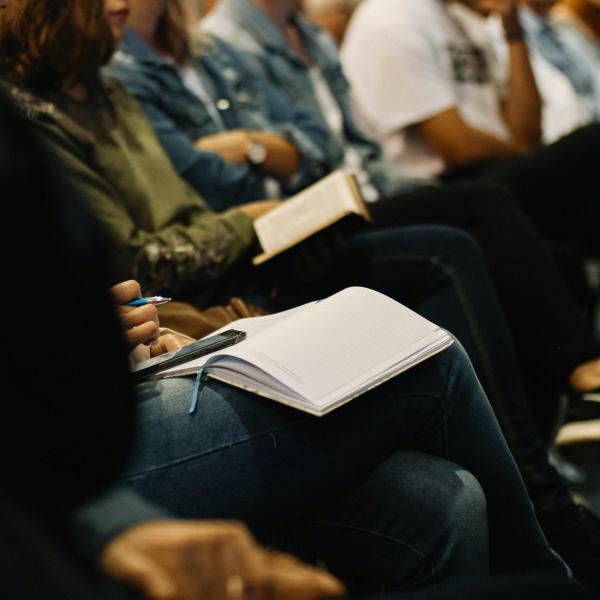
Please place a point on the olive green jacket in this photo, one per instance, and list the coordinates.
(172, 242)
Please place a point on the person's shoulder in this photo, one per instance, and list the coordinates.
(33, 107)
(389, 15)
(230, 30)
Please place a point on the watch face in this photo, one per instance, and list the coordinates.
(257, 153)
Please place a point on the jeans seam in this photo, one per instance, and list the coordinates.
(478, 338)
(379, 534)
(182, 461)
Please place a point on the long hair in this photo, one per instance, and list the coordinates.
(173, 33)
(45, 44)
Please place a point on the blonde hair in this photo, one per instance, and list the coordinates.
(173, 33)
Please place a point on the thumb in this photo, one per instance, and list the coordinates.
(146, 576)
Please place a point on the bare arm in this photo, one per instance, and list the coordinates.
(282, 157)
(522, 108)
(459, 144)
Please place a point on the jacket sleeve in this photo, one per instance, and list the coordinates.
(100, 520)
(190, 254)
(220, 183)
(309, 134)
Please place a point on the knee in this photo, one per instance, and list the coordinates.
(463, 525)
(456, 511)
(443, 524)
(449, 246)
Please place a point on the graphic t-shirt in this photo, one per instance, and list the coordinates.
(410, 60)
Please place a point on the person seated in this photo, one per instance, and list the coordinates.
(74, 445)
(171, 241)
(567, 77)
(458, 121)
(290, 51)
(231, 135)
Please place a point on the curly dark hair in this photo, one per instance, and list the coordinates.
(45, 44)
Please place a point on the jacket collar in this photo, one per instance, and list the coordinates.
(133, 45)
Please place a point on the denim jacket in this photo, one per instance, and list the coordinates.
(247, 27)
(244, 102)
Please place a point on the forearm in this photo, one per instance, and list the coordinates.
(283, 158)
(459, 144)
(522, 107)
(94, 525)
(478, 146)
(186, 257)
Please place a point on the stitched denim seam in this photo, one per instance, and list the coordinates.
(390, 538)
(181, 461)
(478, 338)
(249, 439)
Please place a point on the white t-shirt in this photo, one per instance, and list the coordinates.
(335, 119)
(409, 60)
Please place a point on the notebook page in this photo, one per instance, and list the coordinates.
(252, 326)
(340, 340)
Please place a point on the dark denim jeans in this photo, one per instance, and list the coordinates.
(440, 272)
(407, 485)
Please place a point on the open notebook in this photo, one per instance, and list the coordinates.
(319, 356)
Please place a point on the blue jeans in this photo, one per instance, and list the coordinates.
(407, 485)
(440, 272)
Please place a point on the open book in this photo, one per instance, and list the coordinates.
(319, 356)
(317, 207)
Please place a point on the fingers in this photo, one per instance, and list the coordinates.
(293, 580)
(177, 560)
(142, 573)
(167, 343)
(126, 291)
(141, 324)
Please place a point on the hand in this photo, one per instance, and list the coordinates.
(232, 145)
(170, 342)
(211, 560)
(260, 208)
(141, 324)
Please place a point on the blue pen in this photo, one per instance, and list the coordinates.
(156, 300)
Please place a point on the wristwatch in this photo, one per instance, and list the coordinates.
(256, 153)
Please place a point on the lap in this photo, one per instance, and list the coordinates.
(241, 456)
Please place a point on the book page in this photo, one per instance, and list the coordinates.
(338, 344)
(307, 212)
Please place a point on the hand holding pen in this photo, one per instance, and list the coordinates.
(140, 321)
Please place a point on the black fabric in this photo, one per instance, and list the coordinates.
(556, 185)
(551, 330)
(66, 407)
